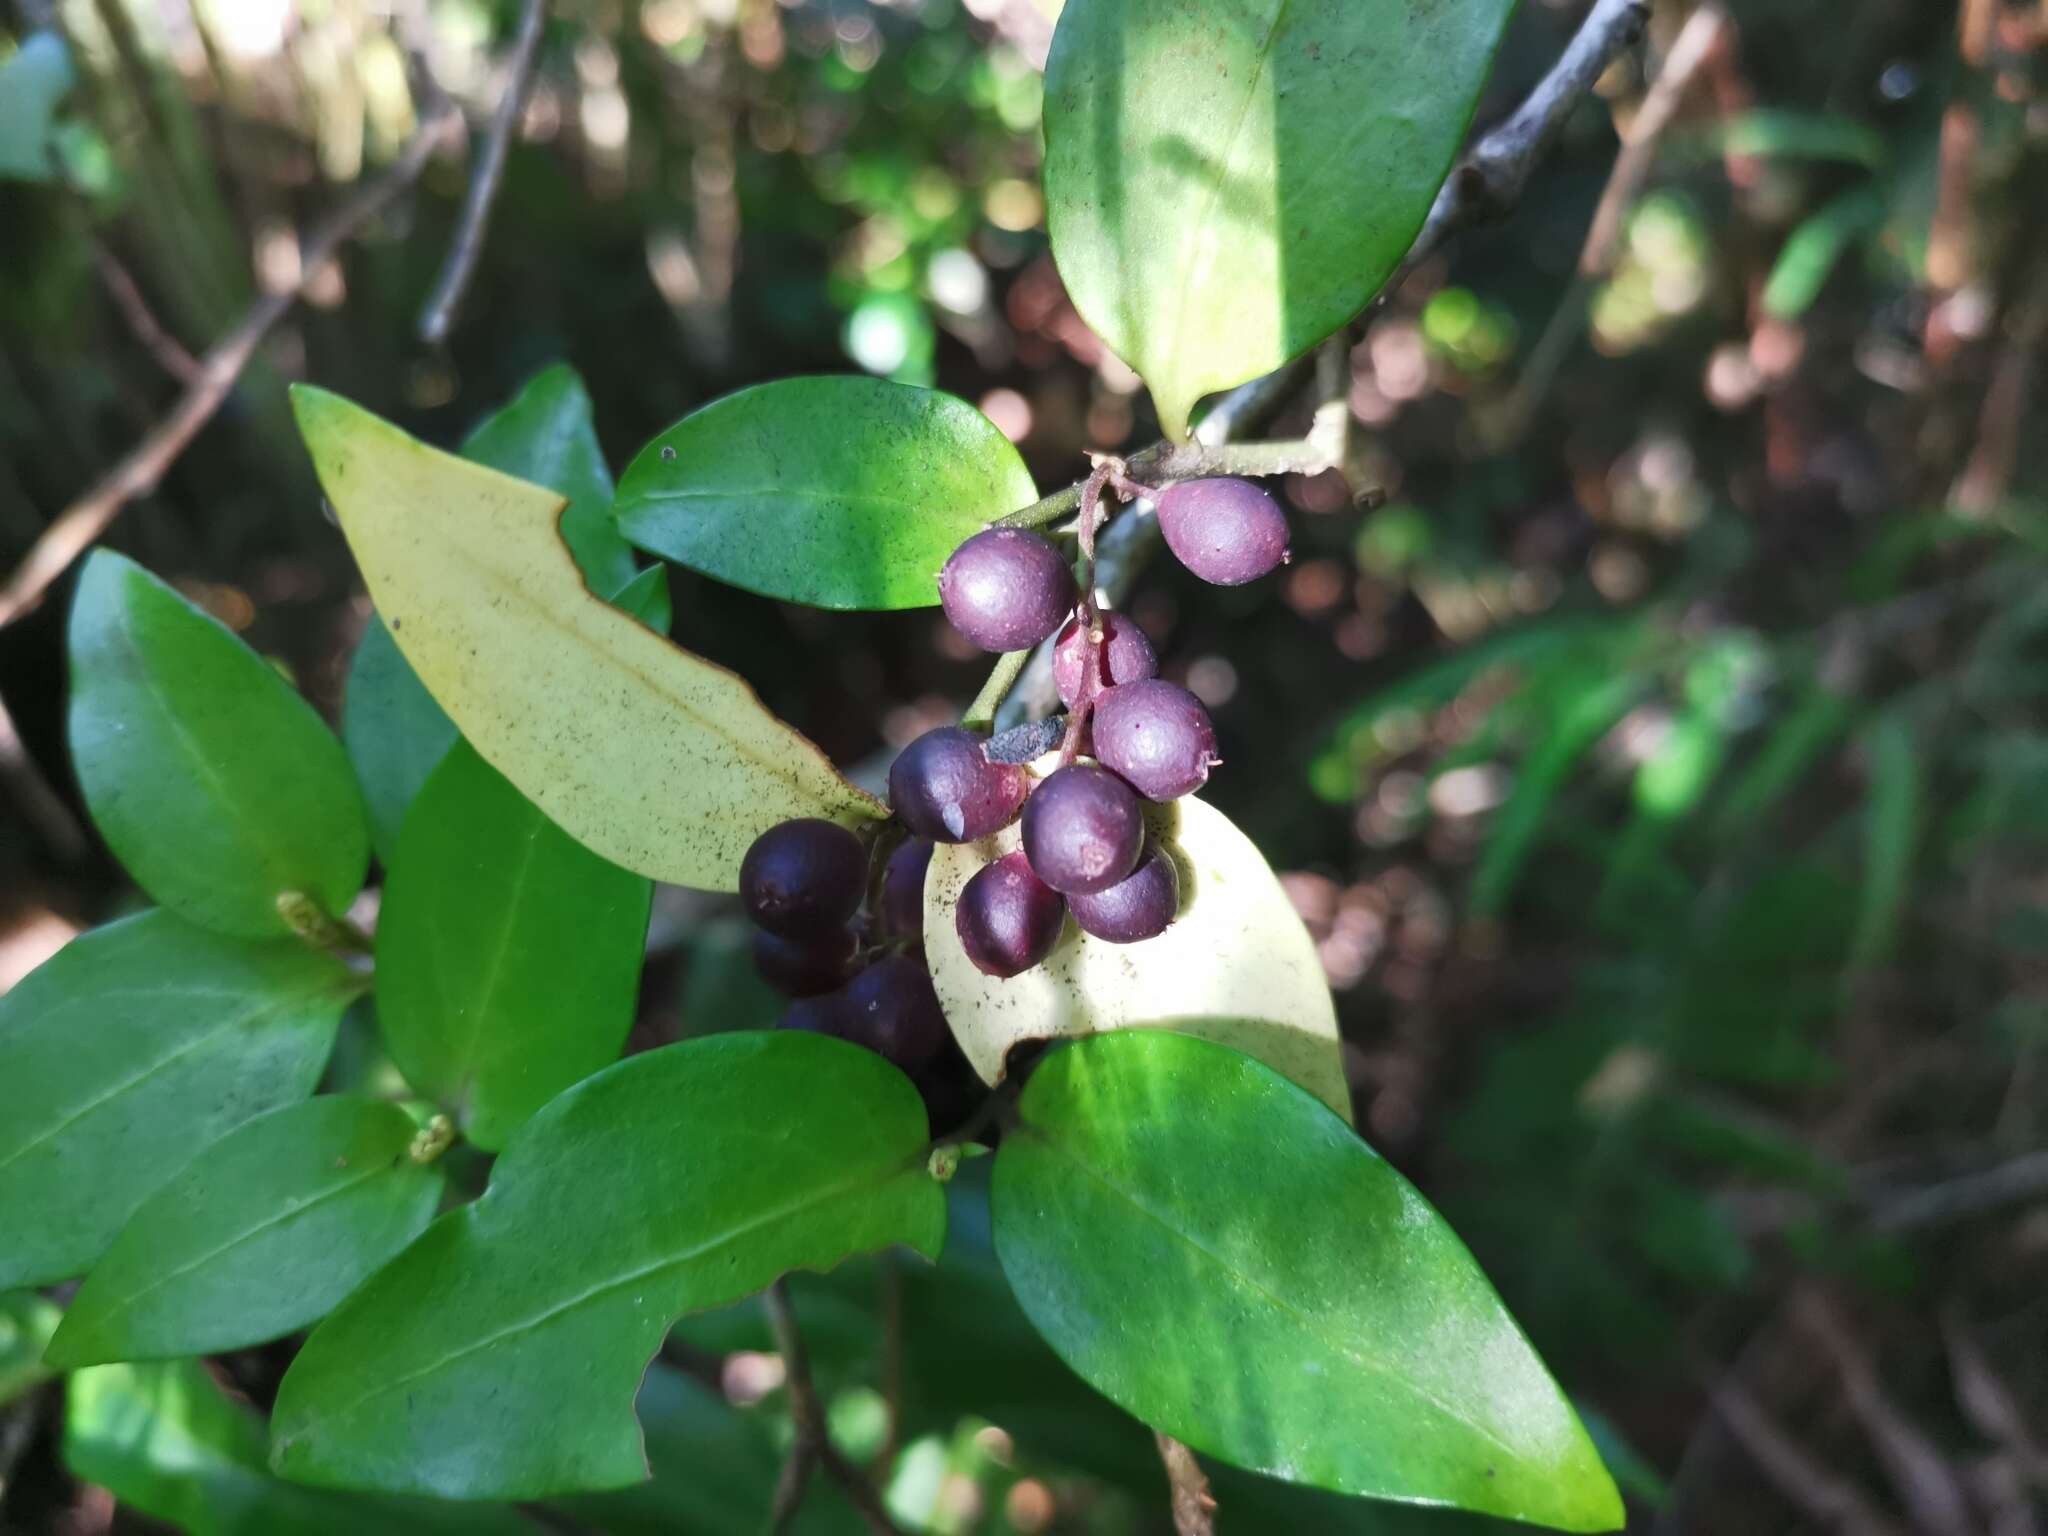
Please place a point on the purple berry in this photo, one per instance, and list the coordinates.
(825, 1015)
(892, 1009)
(1126, 657)
(1083, 829)
(1008, 919)
(804, 877)
(1226, 531)
(1136, 908)
(1156, 735)
(807, 966)
(1006, 589)
(903, 890)
(944, 787)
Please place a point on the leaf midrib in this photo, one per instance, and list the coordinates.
(1302, 1320)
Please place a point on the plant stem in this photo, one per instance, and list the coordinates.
(814, 1447)
(1194, 1508)
(981, 713)
(1164, 462)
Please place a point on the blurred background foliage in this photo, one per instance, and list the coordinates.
(1662, 769)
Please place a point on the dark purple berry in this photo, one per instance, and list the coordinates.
(1126, 657)
(1006, 589)
(944, 787)
(1008, 919)
(1083, 829)
(903, 890)
(892, 1009)
(1137, 907)
(1226, 531)
(824, 1015)
(803, 877)
(807, 966)
(1156, 735)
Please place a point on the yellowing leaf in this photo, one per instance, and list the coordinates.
(655, 758)
(1236, 967)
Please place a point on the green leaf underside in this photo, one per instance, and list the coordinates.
(129, 1051)
(508, 954)
(545, 435)
(646, 597)
(1254, 1280)
(262, 1233)
(214, 783)
(394, 731)
(499, 1355)
(163, 1439)
(1228, 183)
(650, 756)
(839, 492)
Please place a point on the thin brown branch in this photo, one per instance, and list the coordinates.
(1689, 52)
(468, 245)
(41, 806)
(1830, 1501)
(813, 1448)
(1194, 1507)
(169, 352)
(80, 524)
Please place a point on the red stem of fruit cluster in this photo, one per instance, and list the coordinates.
(1106, 472)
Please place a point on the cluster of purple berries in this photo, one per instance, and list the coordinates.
(1086, 851)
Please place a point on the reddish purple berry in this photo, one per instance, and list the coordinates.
(892, 1009)
(807, 966)
(1006, 589)
(803, 877)
(1126, 657)
(903, 890)
(1083, 829)
(944, 787)
(1137, 907)
(1008, 919)
(824, 1015)
(1156, 735)
(1226, 531)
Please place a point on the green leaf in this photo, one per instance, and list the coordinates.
(212, 781)
(1252, 1279)
(646, 598)
(508, 954)
(32, 85)
(1891, 835)
(1812, 251)
(394, 731)
(544, 434)
(26, 1323)
(1228, 184)
(129, 1051)
(838, 492)
(165, 1440)
(498, 1356)
(262, 1233)
(646, 754)
(1236, 966)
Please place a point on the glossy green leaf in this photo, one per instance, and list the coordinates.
(545, 434)
(26, 1323)
(1228, 183)
(32, 85)
(839, 492)
(262, 1233)
(394, 730)
(498, 1356)
(165, 1440)
(655, 758)
(508, 954)
(1216, 1252)
(213, 782)
(129, 1051)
